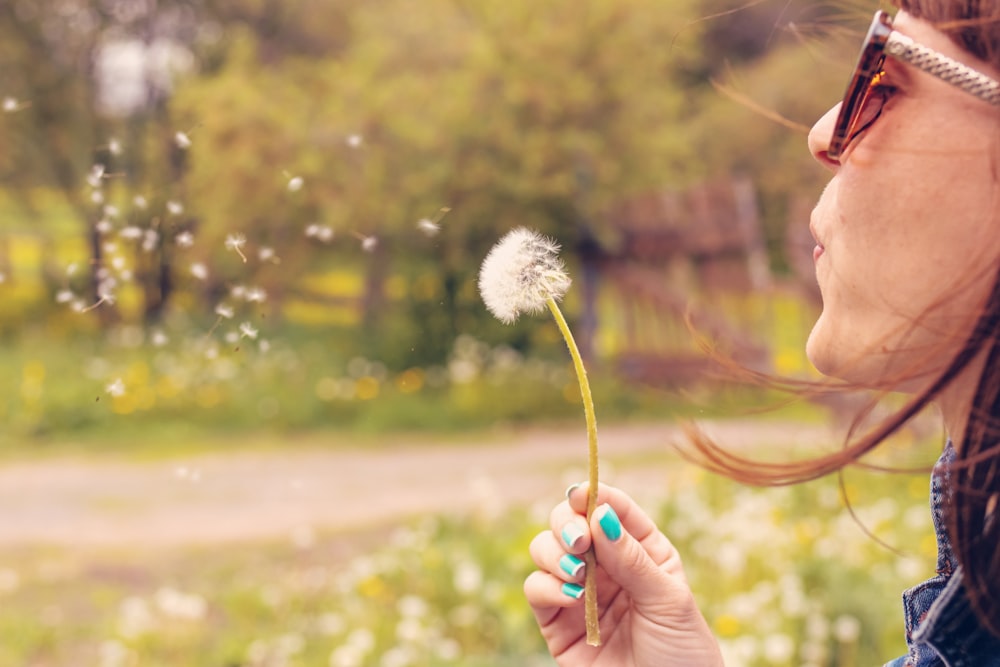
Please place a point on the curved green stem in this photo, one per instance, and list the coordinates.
(590, 582)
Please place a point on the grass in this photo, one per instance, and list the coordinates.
(784, 576)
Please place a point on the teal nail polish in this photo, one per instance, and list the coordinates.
(574, 591)
(610, 524)
(572, 534)
(571, 565)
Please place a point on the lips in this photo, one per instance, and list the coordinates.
(820, 248)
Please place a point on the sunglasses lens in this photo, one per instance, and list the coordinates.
(869, 108)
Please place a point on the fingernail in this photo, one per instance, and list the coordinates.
(574, 591)
(571, 489)
(610, 523)
(572, 534)
(571, 565)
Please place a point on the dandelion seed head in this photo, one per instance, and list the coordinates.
(520, 273)
(428, 226)
(182, 140)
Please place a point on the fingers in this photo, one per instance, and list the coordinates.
(549, 554)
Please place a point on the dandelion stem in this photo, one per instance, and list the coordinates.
(590, 581)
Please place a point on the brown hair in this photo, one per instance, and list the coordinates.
(972, 514)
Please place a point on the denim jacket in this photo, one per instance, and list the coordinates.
(941, 628)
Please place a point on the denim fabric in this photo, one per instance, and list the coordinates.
(941, 628)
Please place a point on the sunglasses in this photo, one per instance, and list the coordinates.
(866, 95)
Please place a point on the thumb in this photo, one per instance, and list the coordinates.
(628, 563)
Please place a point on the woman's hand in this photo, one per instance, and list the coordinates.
(648, 614)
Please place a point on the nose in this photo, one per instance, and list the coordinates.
(819, 138)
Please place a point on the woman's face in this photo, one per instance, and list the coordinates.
(907, 230)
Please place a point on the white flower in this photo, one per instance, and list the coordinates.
(520, 274)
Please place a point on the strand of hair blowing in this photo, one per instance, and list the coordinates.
(972, 514)
(974, 531)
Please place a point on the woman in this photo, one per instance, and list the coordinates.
(907, 256)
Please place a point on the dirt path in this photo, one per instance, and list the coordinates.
(256, 495)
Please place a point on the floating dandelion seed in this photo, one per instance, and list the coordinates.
(354, 140)
(428, 226)
(140, 202)
(174, 207)
(116, 388)
(103, 226)
(182, 140)
(267, 254)
(255, 295)
(235, 242)
(321, 233)
(158, 339)
(431, 227)
(295, 184)
(199, 271)
(96, 176)
(96, 197)
(64, 296)
(115, 147)
(130, 233)
(111, 211)
(522, 273)
(150, 240)
(10, 104)
(224, 310)
(247, 331)
(184, 239)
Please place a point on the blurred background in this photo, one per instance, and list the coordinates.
(254, 411)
